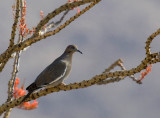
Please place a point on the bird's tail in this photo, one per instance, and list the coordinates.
(31, 88)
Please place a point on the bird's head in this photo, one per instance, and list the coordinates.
(71, 49)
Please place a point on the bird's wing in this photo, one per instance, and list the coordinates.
(51, 74)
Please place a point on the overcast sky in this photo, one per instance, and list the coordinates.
(109, 31)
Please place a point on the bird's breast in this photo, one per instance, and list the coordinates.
(68, 70)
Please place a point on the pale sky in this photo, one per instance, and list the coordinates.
(109, 31)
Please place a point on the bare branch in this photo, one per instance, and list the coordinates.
(58, 11)
(52, 24)
(113, 66)
(119, 63)
(15, 69)
(14, 25)
(149, 40)
(132, 76)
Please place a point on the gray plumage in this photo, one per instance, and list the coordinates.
(55, 73)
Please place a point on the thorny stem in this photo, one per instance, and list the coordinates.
(131, 76)
(116, 63)
(112, 66)
(15, 70)
(119, 63)
(149, 40)
(52, 24)
(58, 11)
(13, 33)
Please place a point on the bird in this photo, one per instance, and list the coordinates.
(54, 74)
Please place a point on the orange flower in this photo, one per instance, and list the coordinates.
(24, 31)
(78, 9)
(41, 13)
(143, 74)
(19, 92)
(30, 106)
(16, 81)
(27, 104)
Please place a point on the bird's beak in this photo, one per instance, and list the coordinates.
(79, 51)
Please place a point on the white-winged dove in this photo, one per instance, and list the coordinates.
(55, 73)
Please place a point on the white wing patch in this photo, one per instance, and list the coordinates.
(58, 78)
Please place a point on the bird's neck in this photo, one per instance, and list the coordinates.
(67, 56)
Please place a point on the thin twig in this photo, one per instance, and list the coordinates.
(119, 63)
(15, 71)
(58, 11)
(112, 66)
(52, 24)
(149, 40)
(13, 33)
(132, 76)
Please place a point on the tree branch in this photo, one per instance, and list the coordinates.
(59, 10)
(149, 40)
(15, 68)
(13, 33)
(119, 63)
(85, 83)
